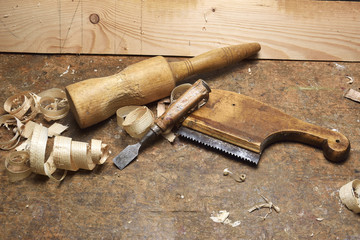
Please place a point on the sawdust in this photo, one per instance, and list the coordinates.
(268, 205)
(352, 95)
(223, 217)
(238, 178)
(351, 80)
(65, 72)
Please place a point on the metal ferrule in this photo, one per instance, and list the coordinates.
(156, 129)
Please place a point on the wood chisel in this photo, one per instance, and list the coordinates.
(197, 93)
(244, 127)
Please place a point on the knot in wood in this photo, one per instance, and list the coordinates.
(94, 18)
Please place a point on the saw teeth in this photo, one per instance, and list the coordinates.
(219, 149)
(185, 133)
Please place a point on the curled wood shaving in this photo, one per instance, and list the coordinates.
(138, 122)
(50, 169)
(99, 151)
(37, 154)
(66, 154)
(23, 146)
(237, 178)
(62, 153)
(351, 80)
(72, 155)
(26, 133)
(17, 105)
(28, 129)
(80, 155)
(96, 150)
(23, 105)
(37, 149)
(122, 112)
(56, 129)
(17, 165)
(13, 125)
(178, 91)
(220, 216)
(350, 195)
(52, 103)
(268, 205)
(87, 156)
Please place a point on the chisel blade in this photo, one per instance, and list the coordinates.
(226, 147)
(127, 155)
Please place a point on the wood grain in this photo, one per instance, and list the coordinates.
(287, 29)
(198, 92)
(253, 125)
(96, 99)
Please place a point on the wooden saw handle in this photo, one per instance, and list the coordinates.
(253, 125)
(96, 99)
(194, 95)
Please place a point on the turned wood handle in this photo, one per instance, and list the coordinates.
(212, 60)
(253, 125)
(182, 106)
(94, 100)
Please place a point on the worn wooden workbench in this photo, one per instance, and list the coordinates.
(171, 190)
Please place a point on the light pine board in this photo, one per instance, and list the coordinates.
(286, 29)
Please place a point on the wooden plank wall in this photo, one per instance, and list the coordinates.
(286, 29)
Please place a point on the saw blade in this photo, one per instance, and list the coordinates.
(226, 147)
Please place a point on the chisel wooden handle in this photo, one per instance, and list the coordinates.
(182, 106)
(96, 99)
(193, 96)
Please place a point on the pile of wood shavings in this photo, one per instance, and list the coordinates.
(29, 157)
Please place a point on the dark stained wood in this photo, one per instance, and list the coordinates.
(198, 92)
(253, 125)
(170, 191)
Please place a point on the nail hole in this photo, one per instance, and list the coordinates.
(94, 18)
(337, 140)
(233, 104)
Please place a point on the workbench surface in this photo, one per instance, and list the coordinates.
(171, 190)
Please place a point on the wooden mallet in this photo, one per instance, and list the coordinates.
(96, 99)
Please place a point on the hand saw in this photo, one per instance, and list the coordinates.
(244, 127)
